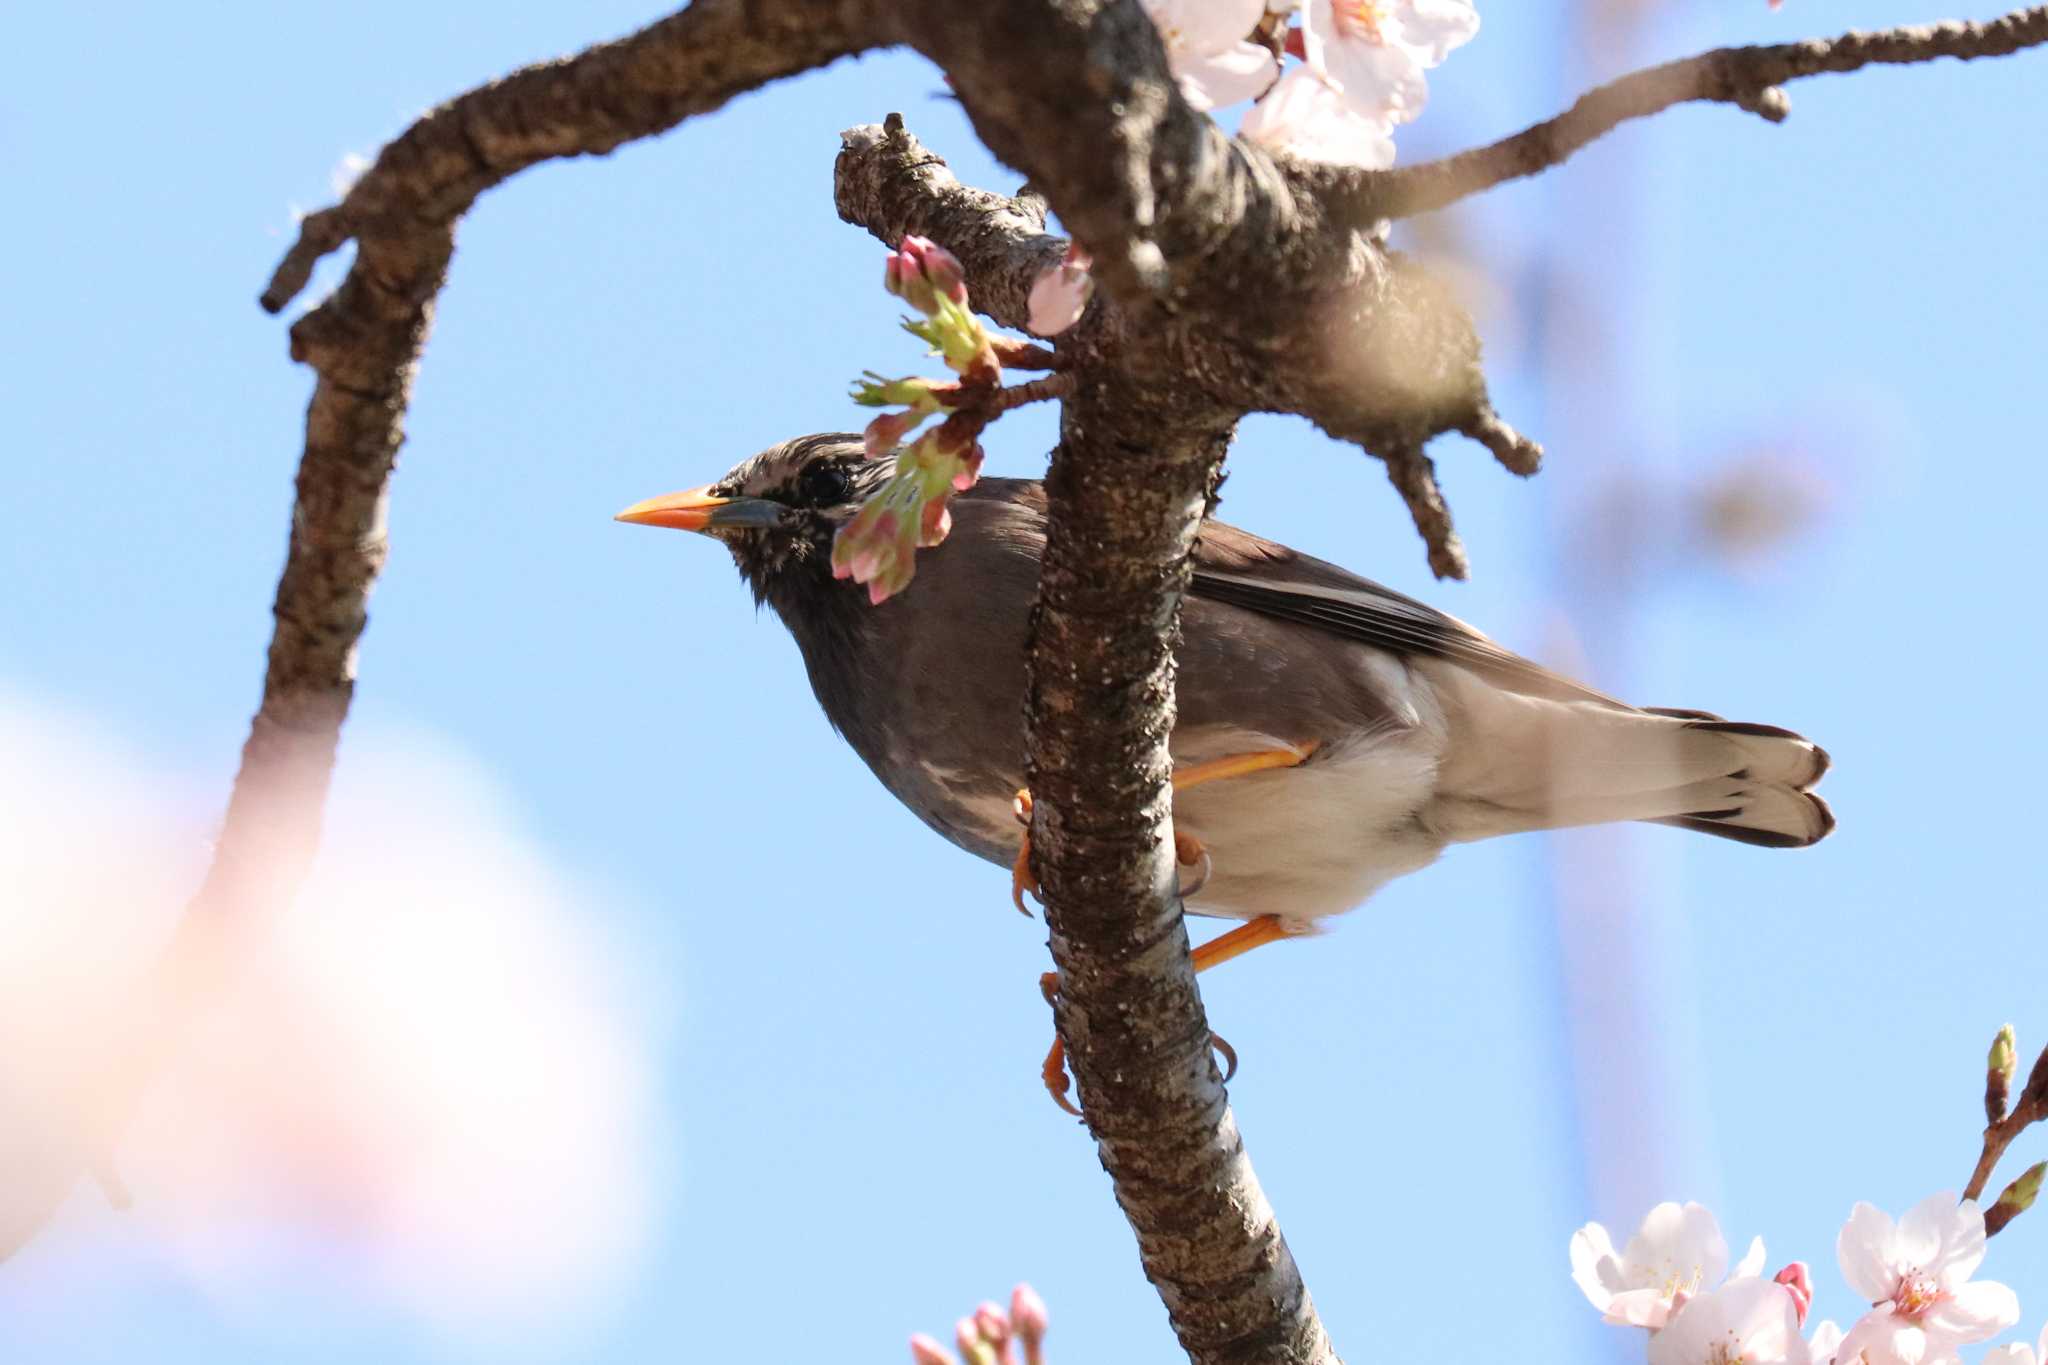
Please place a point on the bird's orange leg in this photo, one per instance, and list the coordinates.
(1188, 851)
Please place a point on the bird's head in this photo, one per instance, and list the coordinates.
(777, 511)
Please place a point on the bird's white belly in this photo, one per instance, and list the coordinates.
(1316, 840)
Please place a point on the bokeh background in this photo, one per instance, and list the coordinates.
(629, 1019)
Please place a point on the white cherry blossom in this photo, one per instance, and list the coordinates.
(2019, 1353)
(1747, 1321)
(1377, 50)
(1917, 1273)
(1677, 1253)
(1825, 1341)
(1207, 51)
(1309, 117)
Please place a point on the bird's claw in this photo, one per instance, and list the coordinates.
(1054, 1070)
(1189, 851)
(1021, 876)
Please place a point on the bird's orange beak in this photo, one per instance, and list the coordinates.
(689, 510)
(695, 509)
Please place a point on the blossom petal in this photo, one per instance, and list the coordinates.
(1203, 26)
(1594, 1267)
(1752, 1262)
(1648, 1307)
(1378, 80)
(1924, 1231)
(1307, 117)
(1962, 1243)
(1864, 1249)
(2017, 1354)
(1976, 1311)
(1754, 1320)
(1431, 28)
(1241, 72)
(1826, 1341)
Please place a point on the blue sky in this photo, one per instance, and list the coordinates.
(830, 1093)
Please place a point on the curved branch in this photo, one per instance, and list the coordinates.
(1750, 78)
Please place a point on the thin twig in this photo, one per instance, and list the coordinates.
(1747, 77)
(1031, 391)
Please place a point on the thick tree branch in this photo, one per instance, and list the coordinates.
(1141, 445)
(1748, 77)
(1128, 486)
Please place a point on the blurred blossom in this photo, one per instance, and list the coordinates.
(1759, 504)
(424, 1090)
(1746, 1322)
(1206, 49)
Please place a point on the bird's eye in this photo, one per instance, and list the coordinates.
(825, 484)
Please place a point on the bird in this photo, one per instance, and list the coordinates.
(1331, 734)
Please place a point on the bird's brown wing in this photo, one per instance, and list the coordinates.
(1247, 571)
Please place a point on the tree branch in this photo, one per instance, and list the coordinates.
(1750, 78)
(1127, 489)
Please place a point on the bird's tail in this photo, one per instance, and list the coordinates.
(1541, 763)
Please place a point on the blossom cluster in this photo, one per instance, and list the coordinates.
(992, 1337)
(1915, 1272)
(878, 546)
(1361, 71)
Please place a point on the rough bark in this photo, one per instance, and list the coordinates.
(1128, 486)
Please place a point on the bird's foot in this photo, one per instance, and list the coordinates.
(1054, 1070)
(1188, 851)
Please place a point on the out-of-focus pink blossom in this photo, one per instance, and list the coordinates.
(1825, 1341)
(1207, 51)
(1917, 1274)
(1060, 295)
(925, 1351)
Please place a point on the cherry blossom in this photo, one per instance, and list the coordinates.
(1917, 1273)
(1308, 116)
(1677, 1254)
(1377, 50)
(1745, 1322)
(2019, 1353)
(1825, 1341)
(1207, 51)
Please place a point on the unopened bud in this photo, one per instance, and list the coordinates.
(1028, 1319)
(994, 1327)
(1999, 1070)
(925, 1351)
(1799, 1284)
(2016, 1199)
(886, 432)
(973, 1350)
(939, 266)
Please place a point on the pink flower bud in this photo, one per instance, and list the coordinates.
(1800, 1285)
(973, 1350)
(886, 432)
(940, 267)
(994, 1327)
(925, 1351)
(1027, 1317)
